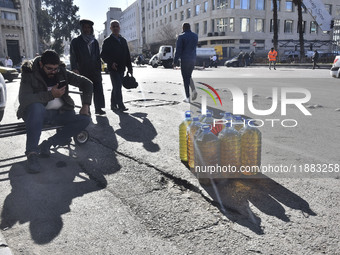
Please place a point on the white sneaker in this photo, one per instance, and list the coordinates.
(187, 100)
(194, 94)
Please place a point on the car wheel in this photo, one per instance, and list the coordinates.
(338, 75)
(154, 66)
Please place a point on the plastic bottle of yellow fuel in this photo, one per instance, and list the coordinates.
(207, 151)
(230, 150)
(183, 149)
(194, 126)
(250, 149)
(238, 122)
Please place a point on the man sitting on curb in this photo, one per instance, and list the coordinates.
(44, 99)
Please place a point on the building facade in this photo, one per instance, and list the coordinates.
(235, 25)
(112, 14)
(18, 30)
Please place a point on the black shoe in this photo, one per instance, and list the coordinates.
(100, 112)
(45, 147)
(33, 166)
(123, 109)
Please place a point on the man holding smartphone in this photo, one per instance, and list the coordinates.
(44, 99)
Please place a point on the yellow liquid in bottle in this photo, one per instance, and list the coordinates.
(190, 143)
(251, 150)
(183, 147)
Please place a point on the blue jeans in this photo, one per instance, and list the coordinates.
(186, 69)
(116, 93)
(36, 116)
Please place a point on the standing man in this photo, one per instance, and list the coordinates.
(115, 52)
(44, 99)
(315, 59)
(272, 54)
(186, 51)
(85, 60)
(8, 62)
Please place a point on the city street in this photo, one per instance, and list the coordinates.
(126, 191)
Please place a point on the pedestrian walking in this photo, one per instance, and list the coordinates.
(44, 99)
(272, 55)
(8, 62)
(246, 58)
(115, 52)
(315, 59)
(85, 60)
(252, 57)
(186, 51)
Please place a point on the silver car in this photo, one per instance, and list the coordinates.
(335, 70)
(3, 96)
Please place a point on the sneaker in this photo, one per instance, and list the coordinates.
(100, 112)
(45, 147)
(33, 166)
(187, 100)
(194, 95)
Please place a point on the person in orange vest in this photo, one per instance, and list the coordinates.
(272, 54)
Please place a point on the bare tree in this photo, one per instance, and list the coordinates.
(275, 26)
(167, 34)
(298, 3)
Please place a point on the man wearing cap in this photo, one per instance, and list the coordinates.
(85, 60)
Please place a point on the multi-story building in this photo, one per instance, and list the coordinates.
(236, 25)
(18, 30)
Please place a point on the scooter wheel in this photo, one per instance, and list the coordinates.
(82, 137)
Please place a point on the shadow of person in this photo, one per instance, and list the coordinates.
(137, 127)
(41, 199)
(236, 194)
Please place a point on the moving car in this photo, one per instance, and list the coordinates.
(8, 73)
(234, 62)
(335, 70)
(3, 96)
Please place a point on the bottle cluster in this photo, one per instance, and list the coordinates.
(234, 145)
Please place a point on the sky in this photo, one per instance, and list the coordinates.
(95, 10)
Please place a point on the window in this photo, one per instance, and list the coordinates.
(197, 28)
(212, 25)
(289, 5)
(213, 4)
(170, 18)
(188, 13)
(221, 4)
(259, 25)
(7, 4)
(160, 12)
(205, 27)
(259, 4)
(182, 2)
(288, 28)
(272, 26)
(197, 9)
(188, 1)
(313, 27)
(245, 4)
(231, 24)
(232, 4)
(170, 7)
(9, 15)
(156, 13)
(175, 16)
(303, 27)
(329, 8)
(244, 24)
(205, 6)
(221, 25)
(278, 5)
(165, 9)
(176, 4)
(182, 15)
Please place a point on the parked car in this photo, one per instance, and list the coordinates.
(8, 73)
(104, 67)
(234, 62)
(335, 70)
(3, 96)
(154, 61)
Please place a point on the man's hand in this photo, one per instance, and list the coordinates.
(114, 66)
(56, 93)
(85, 110)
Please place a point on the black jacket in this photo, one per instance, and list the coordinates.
(114, 51)
(81, 60)
(33, 88)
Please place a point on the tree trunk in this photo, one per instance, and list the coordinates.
(275, 26)
(300, 26)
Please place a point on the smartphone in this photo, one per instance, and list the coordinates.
(61, 84)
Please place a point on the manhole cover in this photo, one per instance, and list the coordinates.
(150, 102)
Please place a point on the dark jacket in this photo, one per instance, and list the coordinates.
(114, 51)
(186, 47)
(81, 60)
(33, 88)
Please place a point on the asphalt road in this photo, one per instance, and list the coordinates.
(126, 191)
